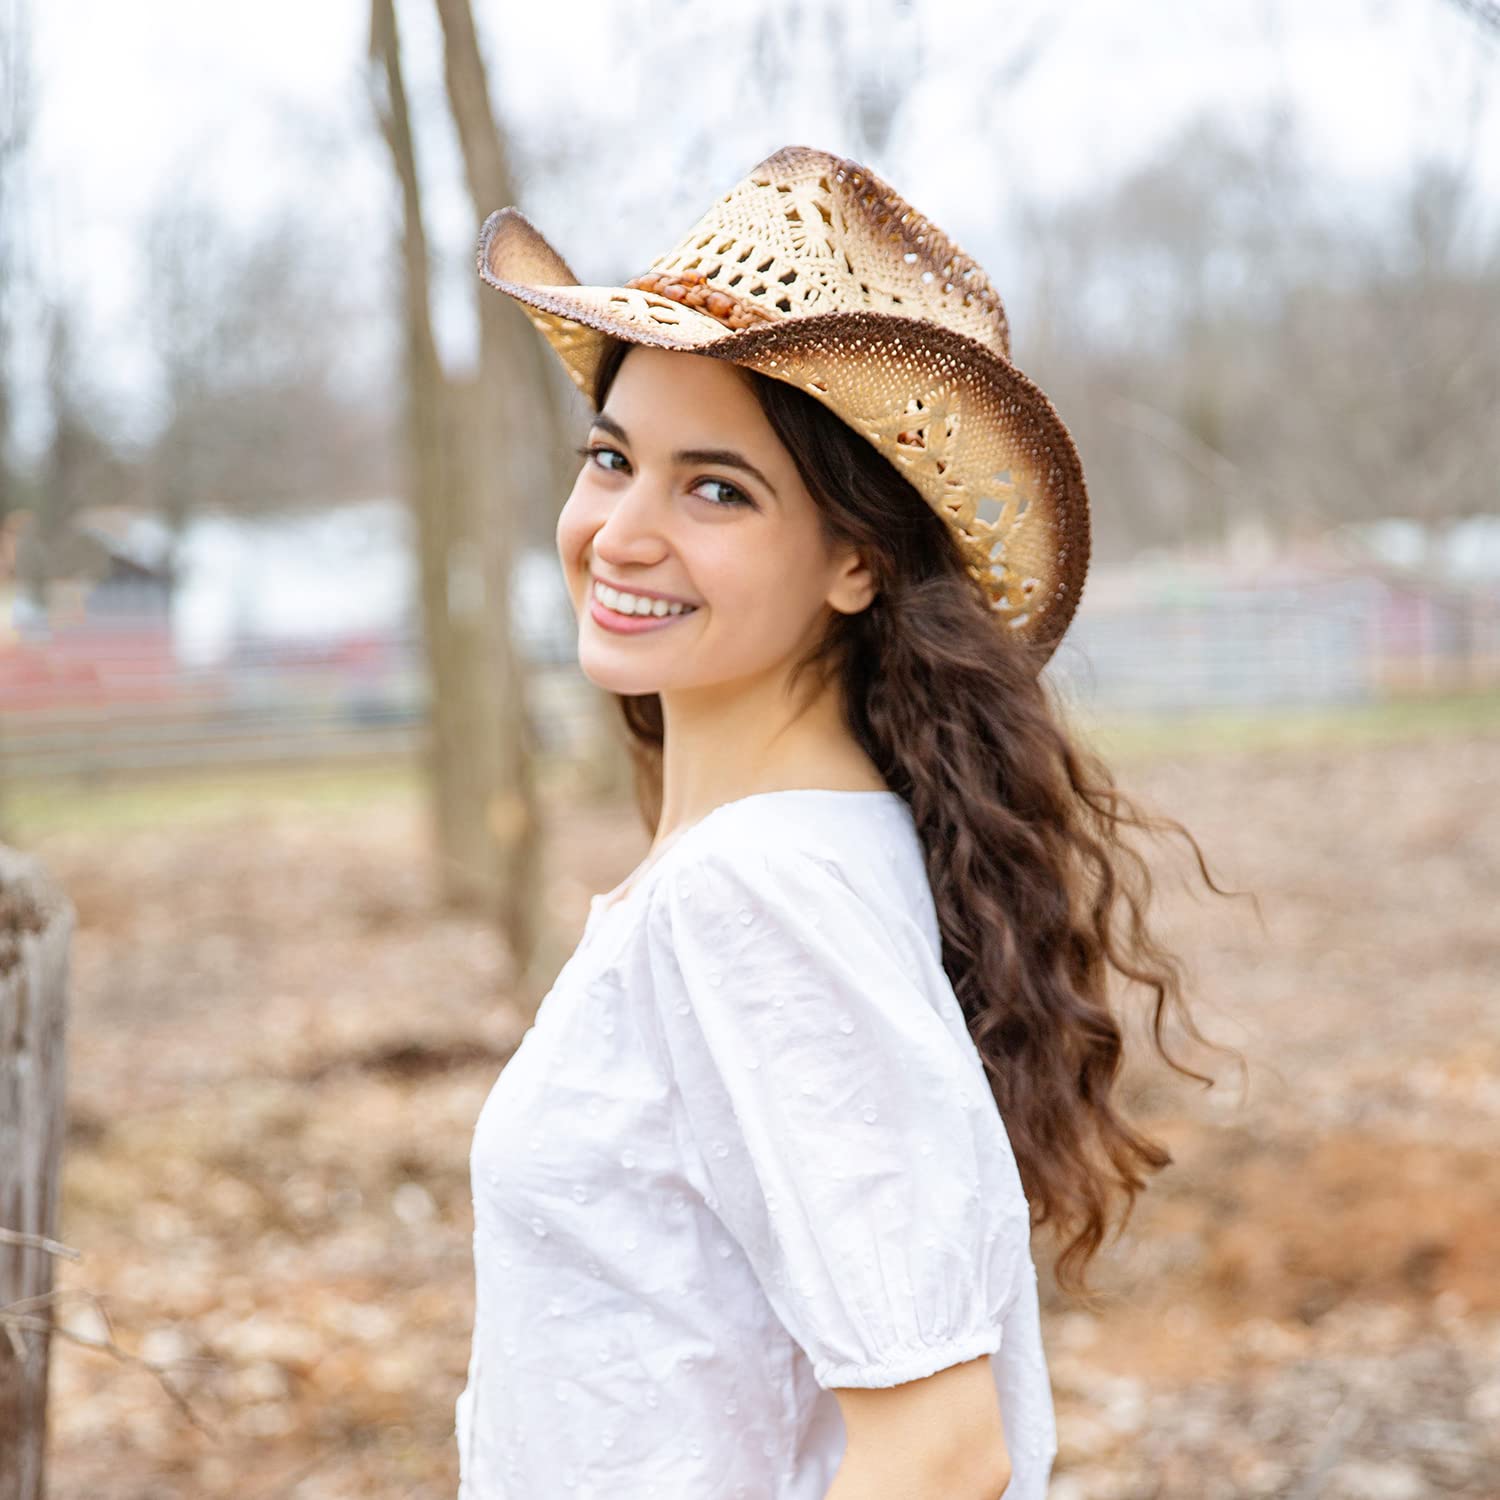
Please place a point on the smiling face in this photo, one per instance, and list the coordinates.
(689, 494)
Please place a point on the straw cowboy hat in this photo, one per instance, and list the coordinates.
(814, 271)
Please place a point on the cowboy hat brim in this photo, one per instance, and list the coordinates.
(978, 439)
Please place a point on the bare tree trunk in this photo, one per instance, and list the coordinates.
(522, 378)
(521, 425)
(511, 427)
(473, 792)
(36, 926)
(518, 370)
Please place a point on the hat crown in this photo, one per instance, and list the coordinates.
(805, 233)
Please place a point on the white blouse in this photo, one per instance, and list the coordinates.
(745, 1154)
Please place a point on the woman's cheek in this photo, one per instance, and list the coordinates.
(572, 540)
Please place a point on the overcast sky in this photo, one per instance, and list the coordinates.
(254, 102)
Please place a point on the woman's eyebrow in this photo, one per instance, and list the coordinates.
(726, 457)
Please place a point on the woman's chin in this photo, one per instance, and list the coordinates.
(603, 668)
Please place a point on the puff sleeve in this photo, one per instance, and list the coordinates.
(841, 1114)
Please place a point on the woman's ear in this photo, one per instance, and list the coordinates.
(853, 586)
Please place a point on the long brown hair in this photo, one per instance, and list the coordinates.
(1020, 826)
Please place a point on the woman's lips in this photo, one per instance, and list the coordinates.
(622, 624)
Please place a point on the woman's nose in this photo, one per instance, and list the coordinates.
(633, 528)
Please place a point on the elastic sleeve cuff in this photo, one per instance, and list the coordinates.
(913, 1363)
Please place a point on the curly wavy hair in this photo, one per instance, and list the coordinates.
(1020, 826)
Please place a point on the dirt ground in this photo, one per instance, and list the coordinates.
(279, 1048)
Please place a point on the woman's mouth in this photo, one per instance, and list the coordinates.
(625, 613)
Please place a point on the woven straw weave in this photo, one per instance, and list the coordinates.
(813, 271)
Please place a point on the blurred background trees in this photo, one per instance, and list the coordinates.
(1242, 284)
(1253, 348)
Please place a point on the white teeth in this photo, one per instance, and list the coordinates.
(638, 604)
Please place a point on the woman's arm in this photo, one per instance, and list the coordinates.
(940, 1438)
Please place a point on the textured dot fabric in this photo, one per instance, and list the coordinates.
(745, 1155)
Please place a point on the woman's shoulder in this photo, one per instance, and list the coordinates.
(783, 844)
(836, 826)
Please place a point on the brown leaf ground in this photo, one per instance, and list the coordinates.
(279, 1047)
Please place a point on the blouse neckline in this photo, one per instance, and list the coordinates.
(612, 900)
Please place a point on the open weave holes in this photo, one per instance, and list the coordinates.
(813, 271)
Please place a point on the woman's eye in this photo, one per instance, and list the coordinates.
(737, 497)
(593, 449)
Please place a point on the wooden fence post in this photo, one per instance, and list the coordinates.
(36, 929)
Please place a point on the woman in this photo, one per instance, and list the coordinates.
(754, 1197)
